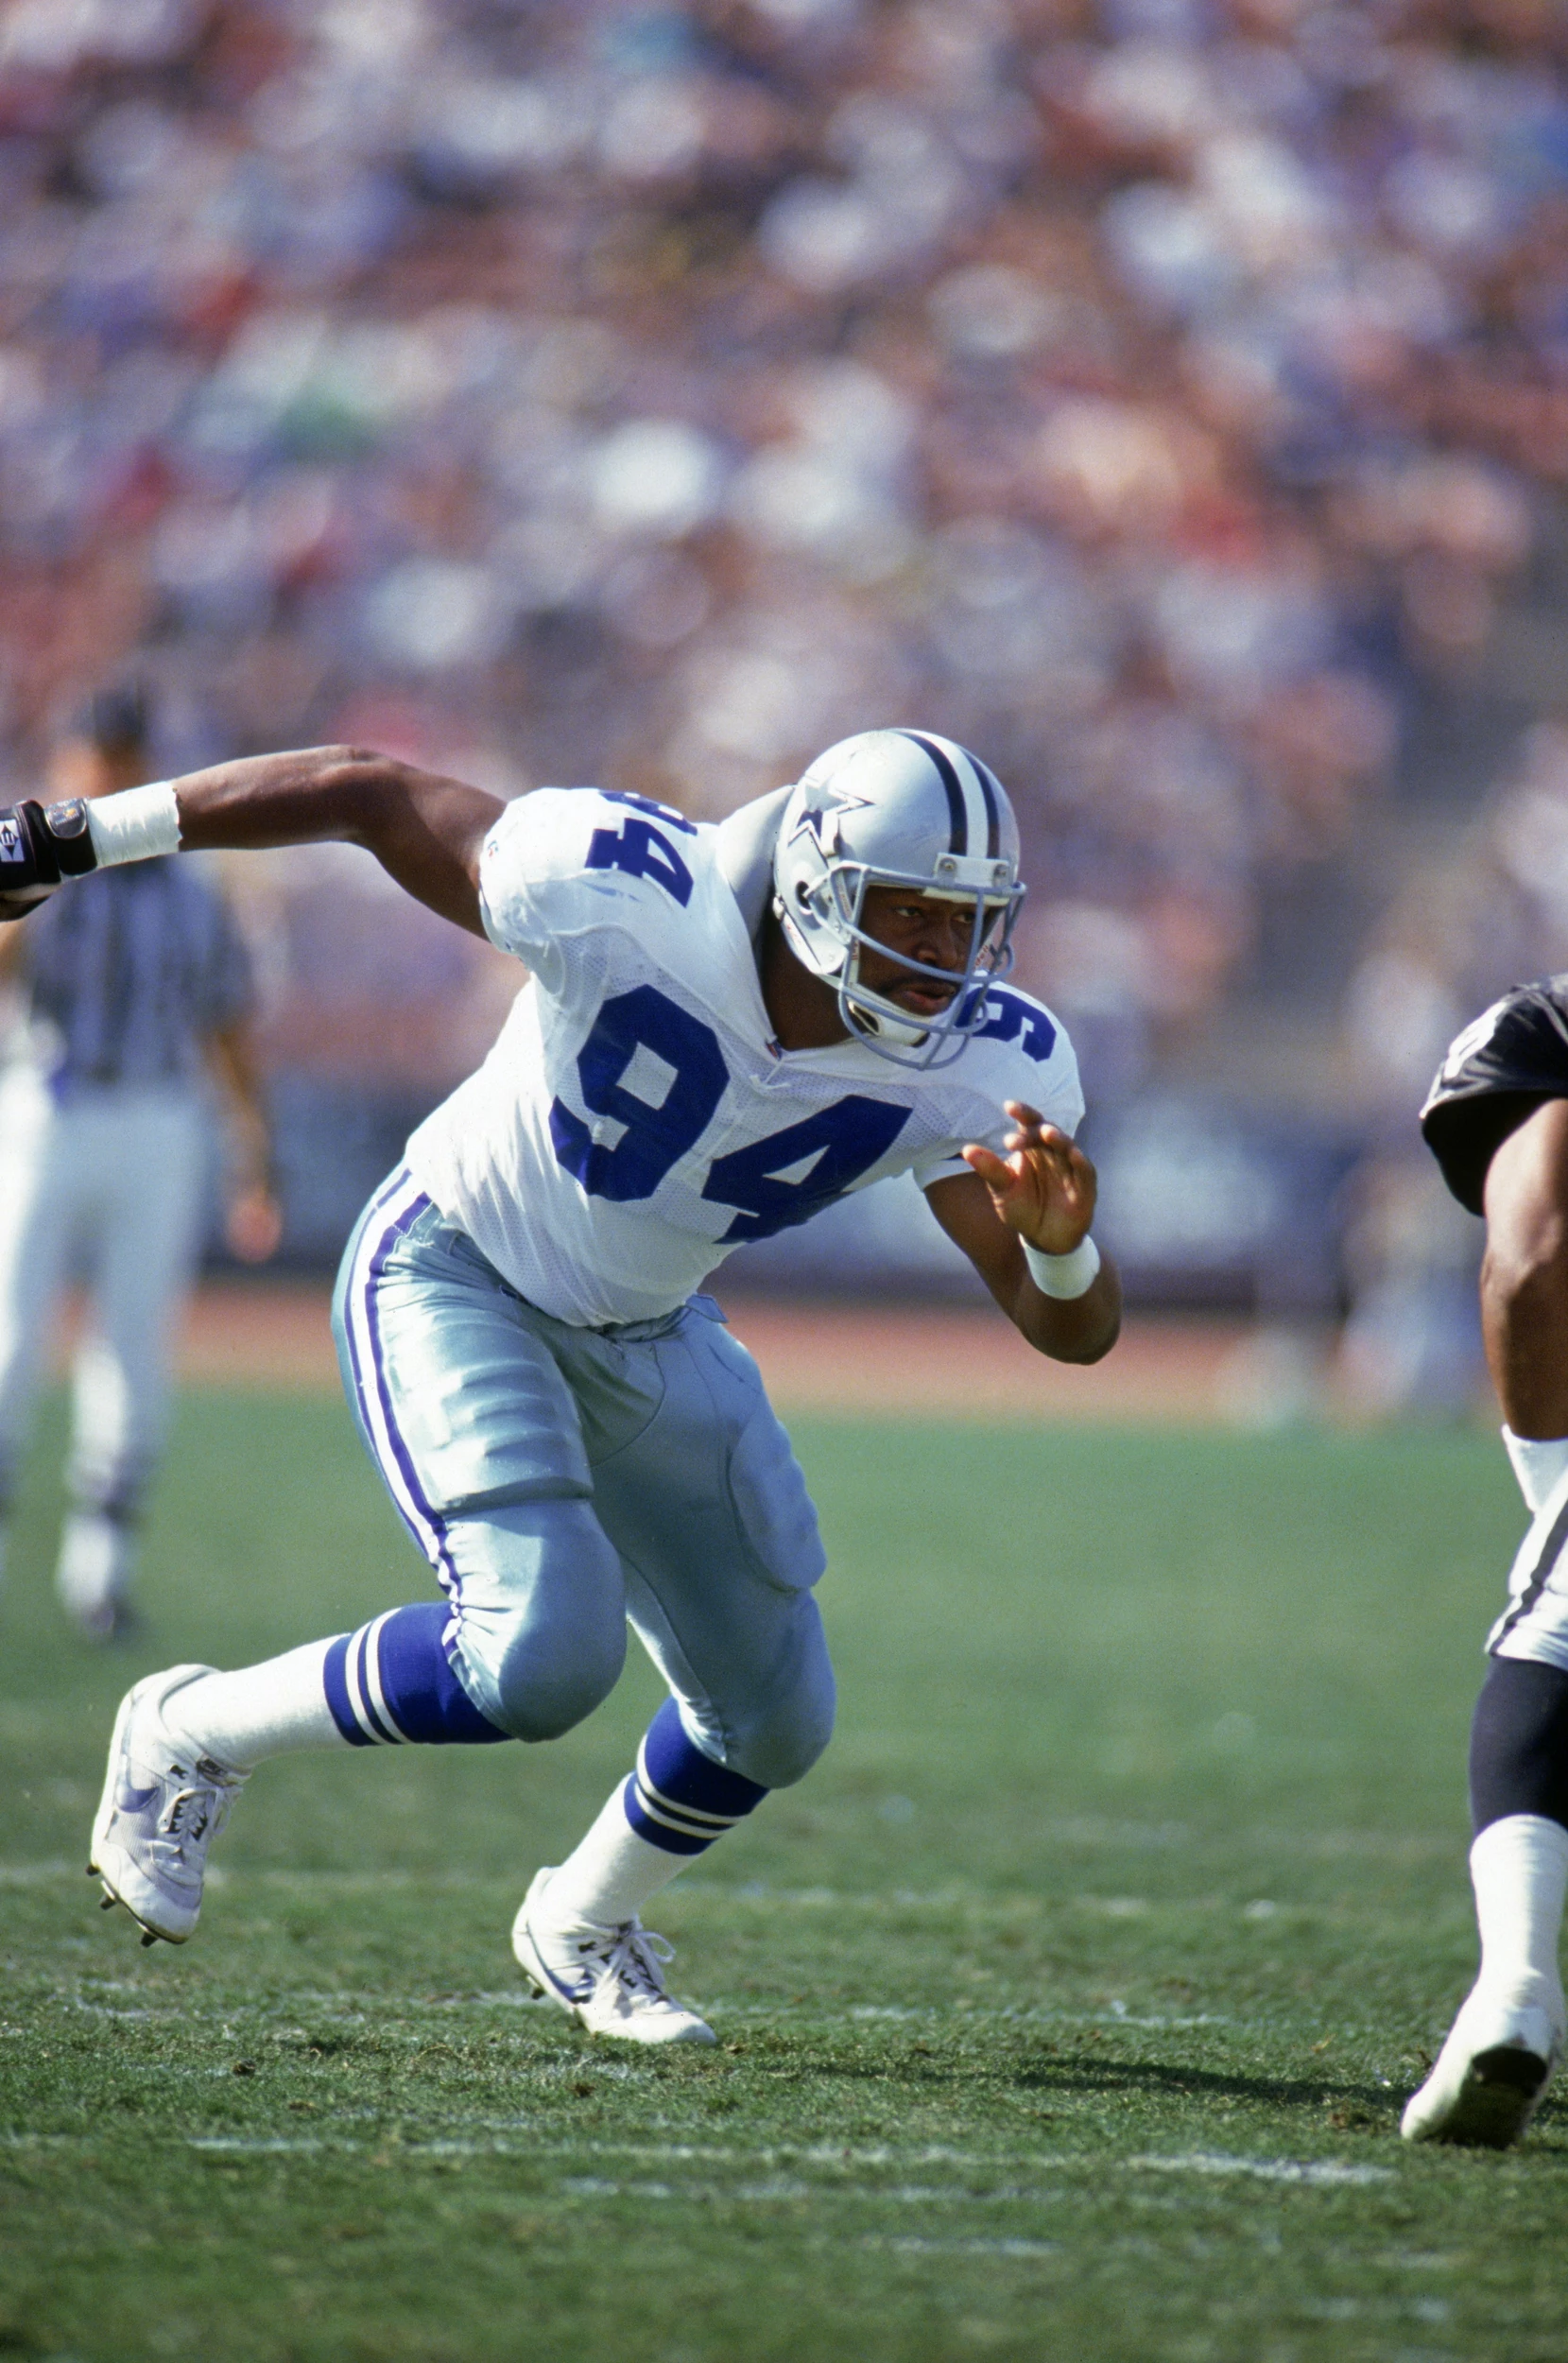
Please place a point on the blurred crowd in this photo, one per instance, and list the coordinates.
(1487, 910)
(1152, 393)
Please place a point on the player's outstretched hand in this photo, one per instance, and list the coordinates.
(1044, 1187)
(39, 849)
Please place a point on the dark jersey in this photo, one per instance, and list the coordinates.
(1497, 1071)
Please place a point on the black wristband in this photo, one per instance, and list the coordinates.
(39, 849)
(71, 836)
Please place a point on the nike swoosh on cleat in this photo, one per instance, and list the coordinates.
(582, 1993)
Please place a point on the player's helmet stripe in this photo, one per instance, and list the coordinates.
(958, 812)
(991, 788)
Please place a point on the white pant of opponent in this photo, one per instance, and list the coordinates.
(106, 1185)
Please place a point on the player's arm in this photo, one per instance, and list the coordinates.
(254, 1219)
(1525, 1273)
(1042, 1191)
(426, 831)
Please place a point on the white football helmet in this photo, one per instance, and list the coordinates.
(901, 808)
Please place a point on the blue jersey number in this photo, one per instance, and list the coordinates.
(658, 1131)
(1010, 1017)
(643, 851)
(828, 1152)
(666, 813)
(773, 1182)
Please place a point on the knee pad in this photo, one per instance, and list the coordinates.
(1519, 1743)
(541, 1614)
(779, 1745)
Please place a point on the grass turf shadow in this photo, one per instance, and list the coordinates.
(1074, 2073)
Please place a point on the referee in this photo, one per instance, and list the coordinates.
(133, 992)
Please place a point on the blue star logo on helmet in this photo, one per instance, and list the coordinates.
(819, 818)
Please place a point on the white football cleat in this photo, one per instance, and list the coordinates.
(1493, 2073)
(162, 1807)
(610, 1979)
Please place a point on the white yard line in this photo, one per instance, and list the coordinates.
(648, 2153)
(784, 2164)
(391, 2013)
(787, 2188)
(1320, 2173)
(248, 2146)
(916, 2244)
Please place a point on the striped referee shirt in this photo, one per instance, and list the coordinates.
(127, 971)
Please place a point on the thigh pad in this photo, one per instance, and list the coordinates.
(455, 1390)
(710, 1489)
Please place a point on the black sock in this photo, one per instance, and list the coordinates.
(1519, 1743)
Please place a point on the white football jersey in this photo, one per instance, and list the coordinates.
(636, 1120)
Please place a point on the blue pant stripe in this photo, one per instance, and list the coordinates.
(400, 1451)
(382, 1198)
(378, 1238)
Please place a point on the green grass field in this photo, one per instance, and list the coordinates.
(1066, 2010)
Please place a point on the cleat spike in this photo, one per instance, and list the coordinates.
(107, 1903)
(147, 1938)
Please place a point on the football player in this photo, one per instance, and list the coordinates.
(1497, 1121)
(724, 1029)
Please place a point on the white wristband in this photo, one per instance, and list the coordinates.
(1070, 1275)
(135, 824)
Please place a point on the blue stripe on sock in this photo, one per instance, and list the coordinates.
(679, 1799)
(658, 1832)
(359, 1650)
(424, 1696)
(683, 1774)
(335, 1679)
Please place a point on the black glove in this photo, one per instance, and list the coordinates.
(39, 849)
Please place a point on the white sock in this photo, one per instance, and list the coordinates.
(612, 1873)
(1518, 1869)
(1539, 1462)
(262, 1711)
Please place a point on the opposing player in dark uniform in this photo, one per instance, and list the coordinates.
(1497, 1121)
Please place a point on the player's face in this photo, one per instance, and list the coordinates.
(936, 932)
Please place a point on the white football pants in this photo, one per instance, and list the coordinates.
(108, 1188)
